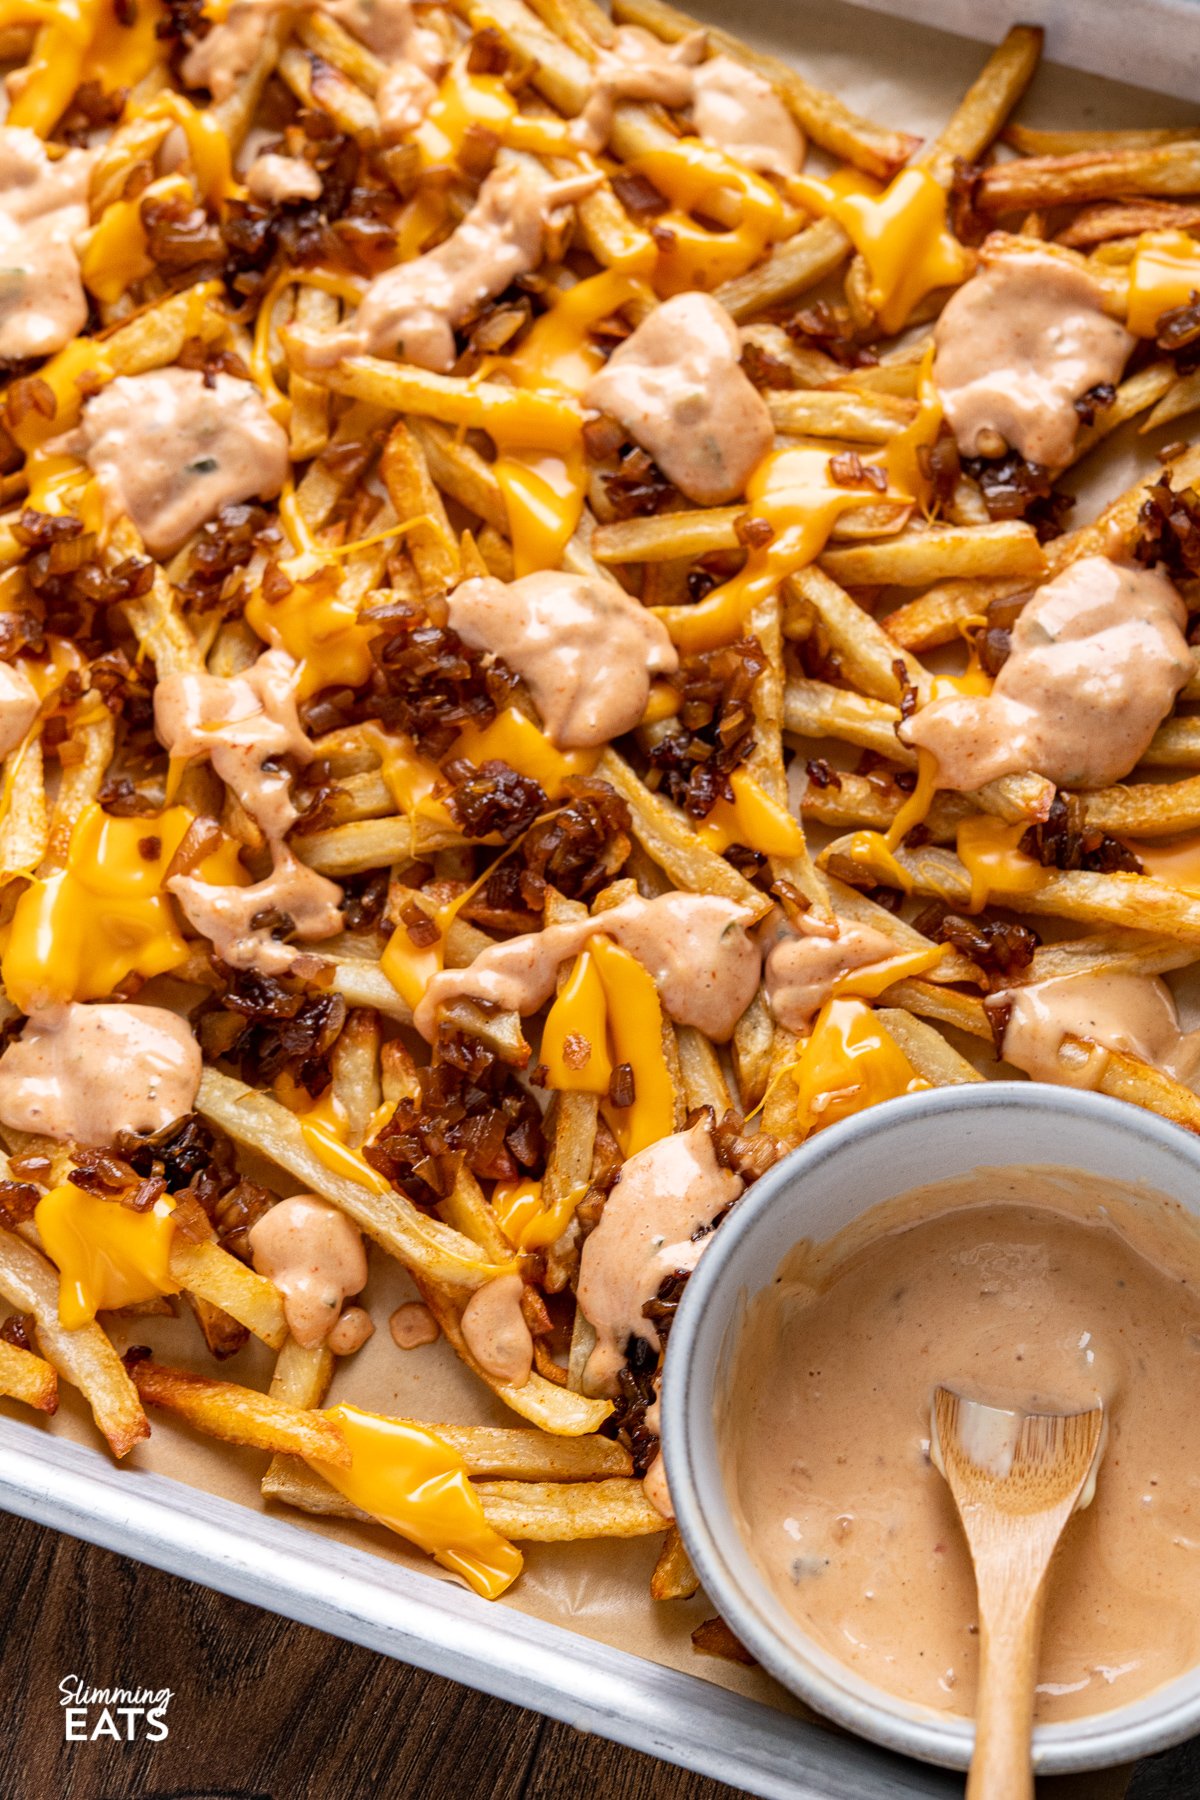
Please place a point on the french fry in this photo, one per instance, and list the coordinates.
(674, 1577)
(936, 1061)
(662, 832)
(982, 112)
(217, 1278)
(714, 1638)
(1150, 809)
(915, 558)
(1097, 224)
(546, 1512)
(704, 1082)
(84, 1357)
(430, 542)
(1172, 168)
(317, 83)
(423, 1245)
(792, 268)
(937, 616)
(25, 828)
(869, 658)
(825, 413)
(27, 1378)
(1036, 141)
(239, 1415)
(222, 1334)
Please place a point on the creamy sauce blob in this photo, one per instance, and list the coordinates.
(636, 66)
(1017, 345)
(800, 970)
(740, 112)
(495, 1330)
(272, 178)
(389, 28)
(315, 1257)
(169, 451)
(241, 723)
(412, 1325)
(583, 646)
(1098, 656)
(663, 1196)
(1025, 1288)
(1133, 1013)
(351, 1332)
(696, 946)
(19, 706)
(85, 1073)
(410, 311)
(239, 921)
(43, 210)
(677, 387)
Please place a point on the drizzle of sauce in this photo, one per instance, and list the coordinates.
(1098, 656)
(412, 1325)
(241, 723)
(677, 386)
(695, 946)
(43, 209)
(584, 647)
(292, 897)
(801, 971)
(663, 1196)
(315, 1257)
(19, 706)
(1132, 1013)
(1026, 1288)
(410, 311)
(1017, 345)
(85, 1073)
(169, 451)
(495, 1330)
(228, 52)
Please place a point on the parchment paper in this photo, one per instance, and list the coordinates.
(902, 75)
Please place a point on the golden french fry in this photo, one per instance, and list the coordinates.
(549, 1512)
(674, 1577)
(27, 1378)
(239, 1415)
(662, 831)
(915, 558)
(987, 103)
(221, 1332)
(210, 1273)
(1090, 175)
(936, 1061)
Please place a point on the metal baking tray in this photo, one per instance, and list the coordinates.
(397, 1610)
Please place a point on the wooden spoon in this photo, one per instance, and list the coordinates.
(1016, 1479)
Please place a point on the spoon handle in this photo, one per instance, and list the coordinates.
(1009, 1631)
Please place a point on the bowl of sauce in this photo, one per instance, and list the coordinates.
(1034, 1247)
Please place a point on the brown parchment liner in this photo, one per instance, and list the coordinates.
(909, 77)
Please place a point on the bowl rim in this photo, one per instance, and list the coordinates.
(1065, 1747)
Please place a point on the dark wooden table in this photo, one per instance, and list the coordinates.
(266, 1710)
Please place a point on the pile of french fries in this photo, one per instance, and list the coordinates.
(394, 500)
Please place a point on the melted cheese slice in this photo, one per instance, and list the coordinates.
(414, 1483)
(1165, 274)
(106, 1254)
(78, 934)
(989, 851)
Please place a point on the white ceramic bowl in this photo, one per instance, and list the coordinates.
(841, 1174)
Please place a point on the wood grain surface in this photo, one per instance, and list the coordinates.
(268, 1710)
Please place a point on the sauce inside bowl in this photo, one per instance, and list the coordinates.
(1025, 1288)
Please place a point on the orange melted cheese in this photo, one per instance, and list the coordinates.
(106, 1254)
(848, 1064)
(1165, 273)
(793, 491)
(989, 851)
(900, 232)
(77, 934)
(414, 1483)
(701, 181)
(610, 1002)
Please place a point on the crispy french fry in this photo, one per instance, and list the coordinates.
(931, 1056)
(936, 617)
(714, 1638)
(1035, 141)
(987, 103)
(239, 1415)
(209, 1272)
(1090, 175)
(85, 1357)
(704, 1082)
(674, 1577)
(915, 558)
(826, 413)
(27, 1378)
(221, 1332)
(753, 1043)
(546, 1512)
(1097, 224)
